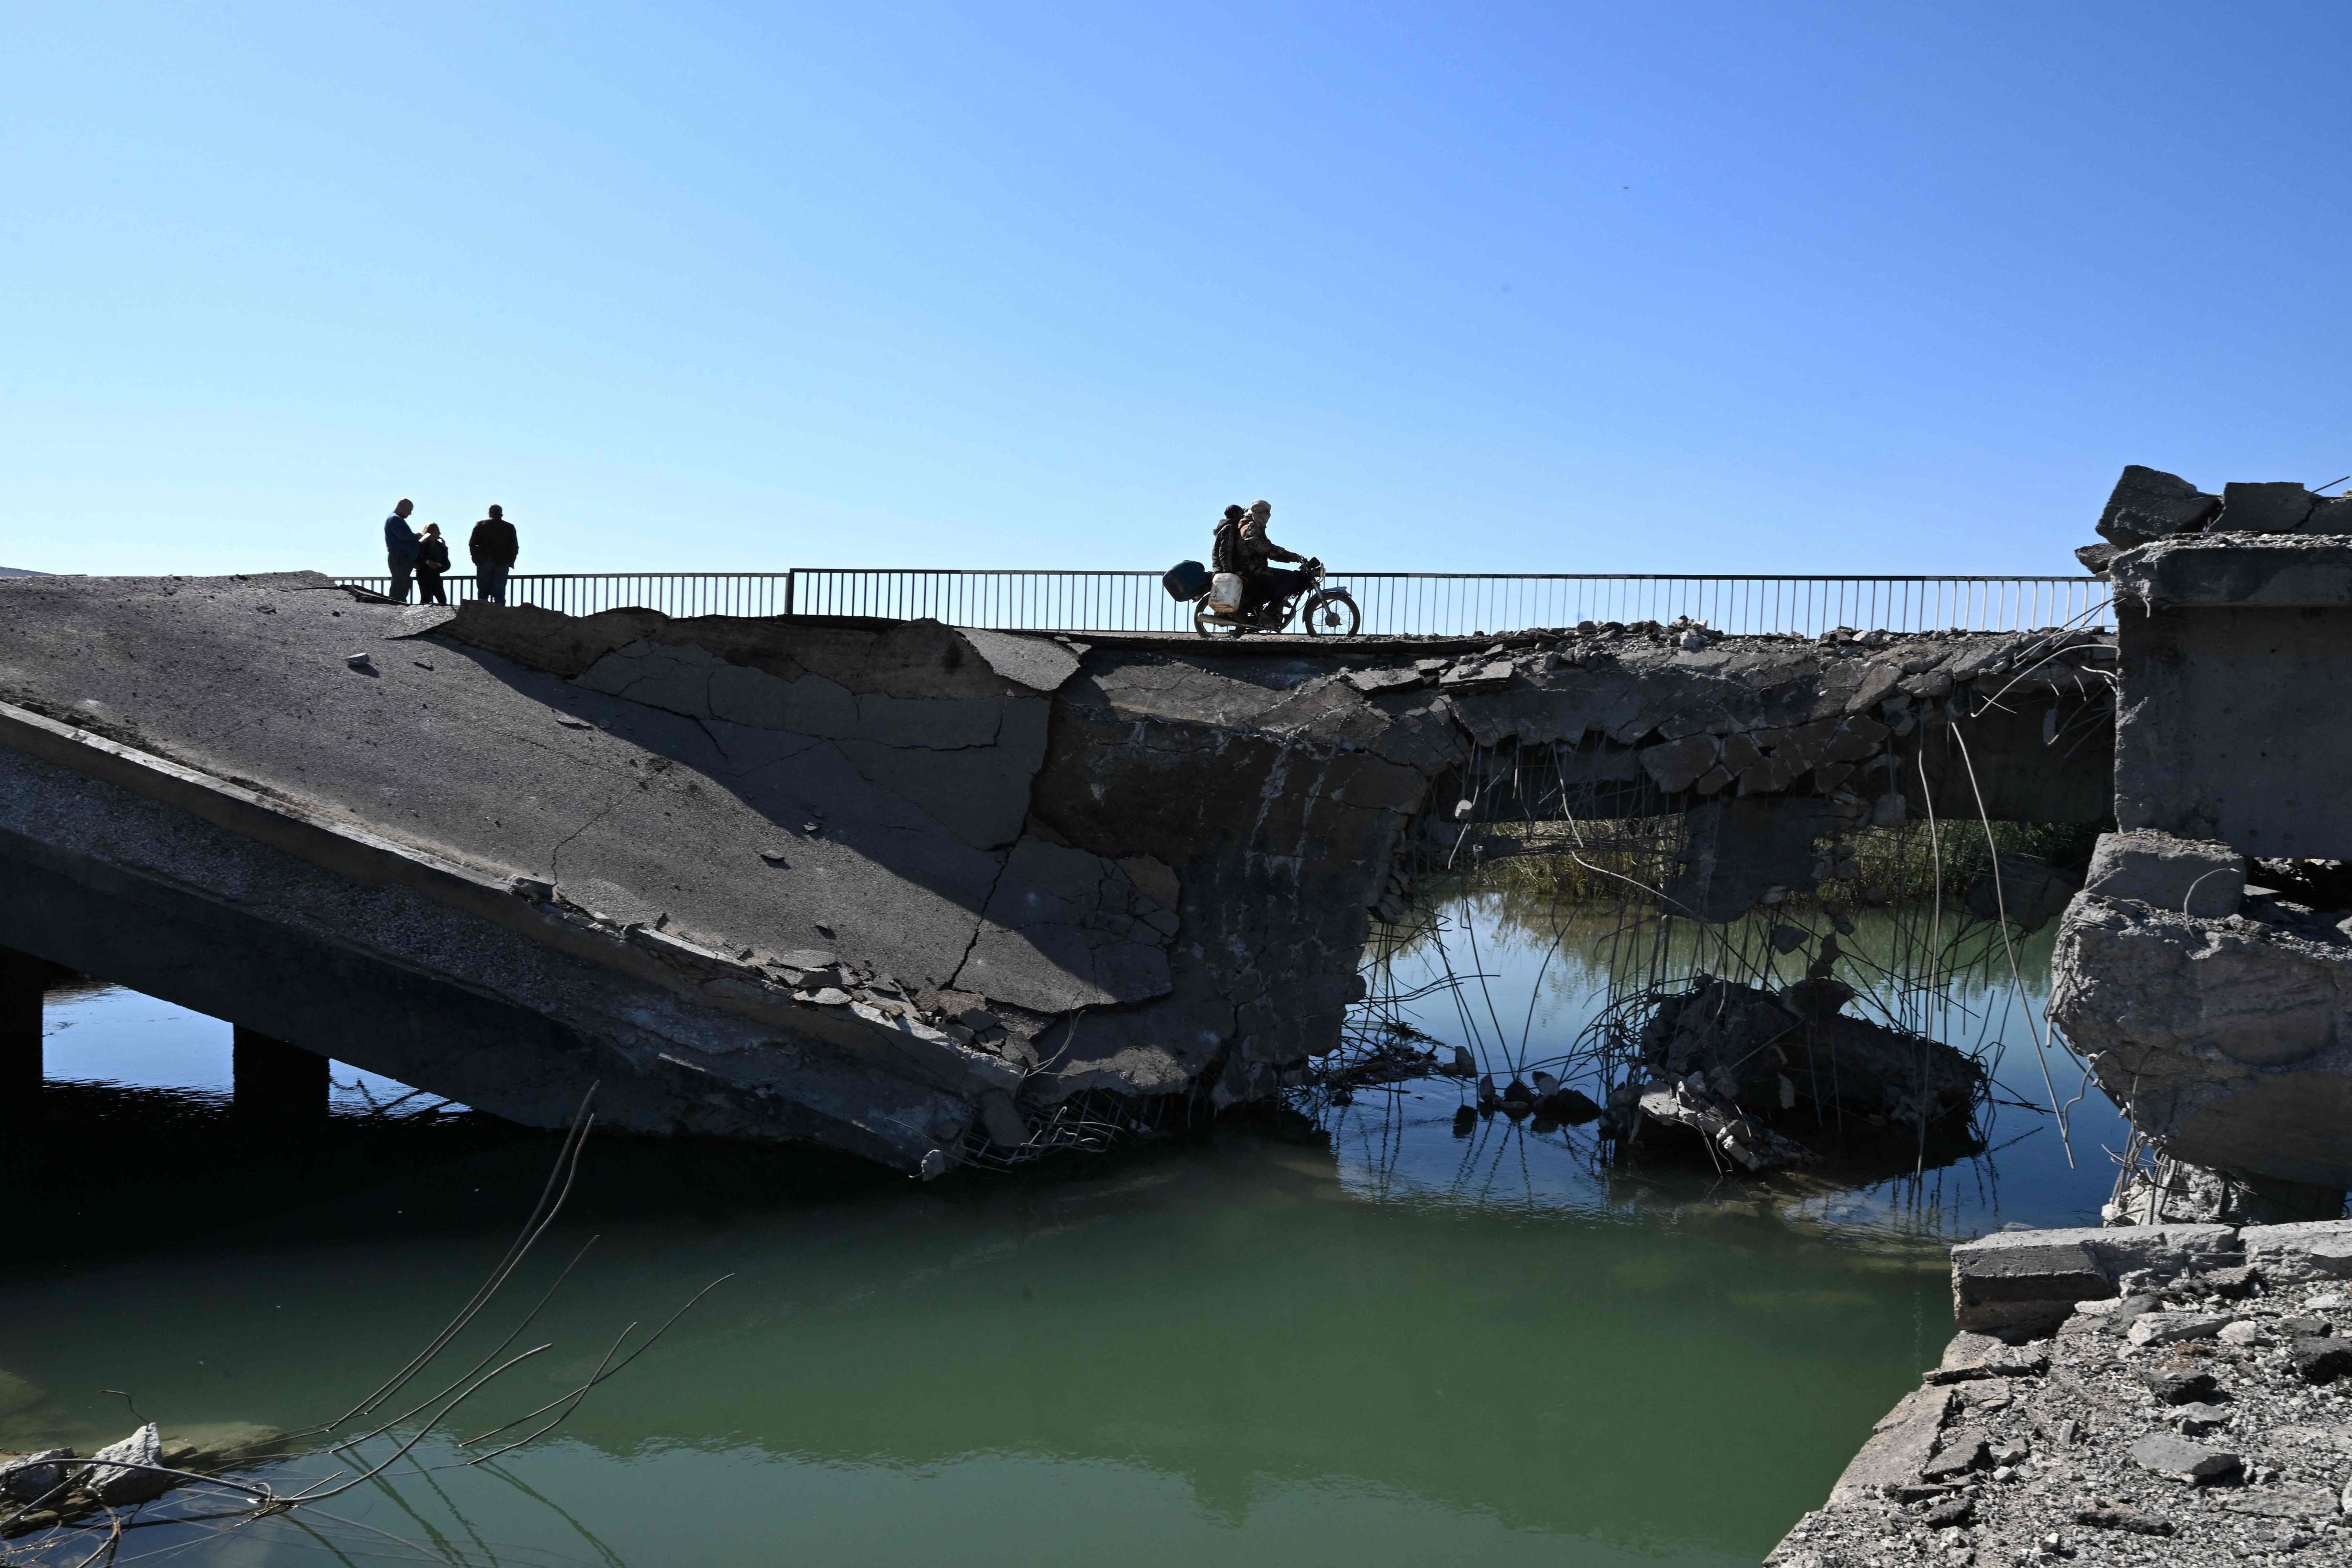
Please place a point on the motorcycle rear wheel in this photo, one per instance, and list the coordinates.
(1332, 613)
(1208, 624)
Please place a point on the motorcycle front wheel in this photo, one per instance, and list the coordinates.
(1332, 613)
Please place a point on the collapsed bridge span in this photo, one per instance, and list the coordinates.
(893, 887)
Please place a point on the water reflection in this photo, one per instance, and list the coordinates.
(1222, 1348)
(1534, 982)
(1370, 1341)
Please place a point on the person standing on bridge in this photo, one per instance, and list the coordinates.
(494, 547)
(431, 561)
(400, 548)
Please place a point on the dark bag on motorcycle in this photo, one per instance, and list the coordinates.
(1186, 580)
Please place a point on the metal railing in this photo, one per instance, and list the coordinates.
(1394, 604)
(1461, 603)
(585, 593)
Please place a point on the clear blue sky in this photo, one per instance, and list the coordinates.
(1563, 286)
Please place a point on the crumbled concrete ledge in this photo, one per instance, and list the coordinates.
(2177, 1394)
(2217, 1010)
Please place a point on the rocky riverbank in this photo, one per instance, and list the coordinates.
(2177, 1394)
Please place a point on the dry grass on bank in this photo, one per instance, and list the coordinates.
(1606, 861)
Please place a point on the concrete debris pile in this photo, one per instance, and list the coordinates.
(57, 1486)
(1753, 1071)
(1691, 1105)
(1766, 715)
(2149, 505)
(2164, 1190)
(2171, 1395)
(2216, 1008)
(2205, 968)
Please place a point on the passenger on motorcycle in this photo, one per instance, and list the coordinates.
(1261, 583)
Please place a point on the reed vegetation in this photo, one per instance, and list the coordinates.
(1603, 861)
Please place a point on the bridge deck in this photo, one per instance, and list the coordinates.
(754, 874)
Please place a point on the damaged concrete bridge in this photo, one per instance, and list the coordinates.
(894, 887)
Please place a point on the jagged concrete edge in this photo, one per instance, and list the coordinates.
(657, 957)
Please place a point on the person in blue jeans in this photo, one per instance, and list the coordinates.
(400, 545)
(494, 547)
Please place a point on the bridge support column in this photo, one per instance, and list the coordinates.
(23, 978)
(275, 1082)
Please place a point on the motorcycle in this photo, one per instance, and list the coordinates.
(1324, 612)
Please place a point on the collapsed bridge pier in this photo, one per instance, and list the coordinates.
(925, 894)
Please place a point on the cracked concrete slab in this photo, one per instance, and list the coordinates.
(1036, 662)
(964, 761)
(1066, 928)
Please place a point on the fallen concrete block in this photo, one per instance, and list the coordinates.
(35, 1476)
(2187, 876)
(2148, 503)
(1973, 1357)
(2022, 1281)
(2320, 1359)
(2168, 1328)
(2178, 1385)
(114, 1480)
(1898, 1446)
(2183, 1460)
(2110, 1515)
(1969, 1449)
(2295, 1254)
(2277, 506)
(2222, 1038)
(1369, 681)
(2023, 1286)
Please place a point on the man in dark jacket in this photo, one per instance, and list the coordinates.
(1260, 581)
(400, 548)
(494, 547)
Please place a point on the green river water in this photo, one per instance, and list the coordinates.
(1372, 1343)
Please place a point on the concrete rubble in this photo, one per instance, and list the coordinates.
(2179, 1395)
(126, 1471)
(55, 1486)
(2224, 1030)
(2205, 970)
(2171, 1387)
(894, 887)
(1769, 1078)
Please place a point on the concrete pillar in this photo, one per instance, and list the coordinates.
(277, 1082)
(22, 978)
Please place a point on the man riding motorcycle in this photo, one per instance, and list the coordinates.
(1261, 583)
(1242, 554)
